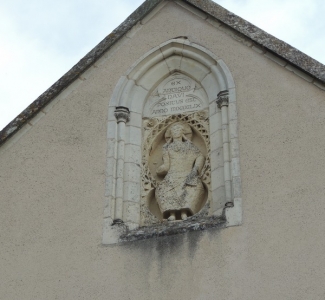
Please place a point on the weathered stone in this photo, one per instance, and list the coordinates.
(166, 228)
(262, 38)
(187, 184)
(172, 172)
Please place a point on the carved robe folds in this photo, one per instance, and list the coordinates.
(182, 187)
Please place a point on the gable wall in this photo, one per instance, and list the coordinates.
(52, 185)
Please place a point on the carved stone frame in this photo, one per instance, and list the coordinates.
(124, 135)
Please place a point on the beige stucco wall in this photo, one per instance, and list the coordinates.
(52, 185)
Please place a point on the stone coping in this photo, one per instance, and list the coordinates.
(171, 228)
(260, 37)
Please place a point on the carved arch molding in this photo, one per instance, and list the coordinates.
(172, 149)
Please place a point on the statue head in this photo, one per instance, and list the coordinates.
(177, 130)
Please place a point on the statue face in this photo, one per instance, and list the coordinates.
(176, 131)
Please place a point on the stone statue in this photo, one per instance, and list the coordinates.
(182, 188)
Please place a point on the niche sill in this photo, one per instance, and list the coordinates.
(172, 228)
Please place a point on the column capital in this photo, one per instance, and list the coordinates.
(223, 99)
(122, 114)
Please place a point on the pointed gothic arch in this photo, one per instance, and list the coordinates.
(125, 133)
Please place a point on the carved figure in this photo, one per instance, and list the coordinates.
(181, 189)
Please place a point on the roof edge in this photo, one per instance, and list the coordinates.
(259, 36)
(262, 38)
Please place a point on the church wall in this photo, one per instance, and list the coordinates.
(52, 182)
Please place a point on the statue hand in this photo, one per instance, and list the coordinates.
(192, 178)
(195, 170)
(161, 170)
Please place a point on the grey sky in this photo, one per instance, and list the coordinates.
(41, 40)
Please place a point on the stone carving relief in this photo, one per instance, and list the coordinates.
(175, 167)
(176, 94)
(172, 150)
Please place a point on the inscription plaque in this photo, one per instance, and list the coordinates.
(176, 94)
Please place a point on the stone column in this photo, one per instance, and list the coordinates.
(122, 115)
(223, 102)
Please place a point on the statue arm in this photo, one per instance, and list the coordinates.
(192, 178)
(163, 169)
(199, 163)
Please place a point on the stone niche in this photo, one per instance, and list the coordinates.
(172, 146)
(175, 171)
